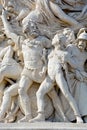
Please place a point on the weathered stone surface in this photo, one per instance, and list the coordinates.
(43, 63)
(43, 126)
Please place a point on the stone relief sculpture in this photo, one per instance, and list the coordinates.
(27, 59)
(43, 60)
(34, 33)
(76, 73)
(55, 74)
(21, 8)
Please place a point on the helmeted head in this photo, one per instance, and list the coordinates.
(82, 36)
(82, 41)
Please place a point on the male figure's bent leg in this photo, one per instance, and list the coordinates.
(6, 103)
(24, 85)
(45, 87)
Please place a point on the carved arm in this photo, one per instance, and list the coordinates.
(8, 29)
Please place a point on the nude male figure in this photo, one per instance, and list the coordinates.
(55, 75)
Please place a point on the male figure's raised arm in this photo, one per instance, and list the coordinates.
(8, 29)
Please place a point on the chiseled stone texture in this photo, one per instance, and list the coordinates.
(43, 126)
(43, 63)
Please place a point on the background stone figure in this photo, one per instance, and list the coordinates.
(21, 8)
(9, 68)
(77, 74)
(50, 17)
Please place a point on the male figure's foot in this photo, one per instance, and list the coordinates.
(25, 118)
(39, 118)
(10, 118)
(79, 119)
(65, 119)
(2, 115)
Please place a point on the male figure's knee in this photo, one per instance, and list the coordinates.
(21, 87)
(39, 94)
(9, 52)
(7, 94)
(21, 91)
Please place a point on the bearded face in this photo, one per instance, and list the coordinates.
(82, 44)
(31, 29)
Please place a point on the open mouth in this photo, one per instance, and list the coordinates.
(10, 7)
(81, 46)
(34, 33)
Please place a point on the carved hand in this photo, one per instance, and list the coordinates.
(43, 71)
